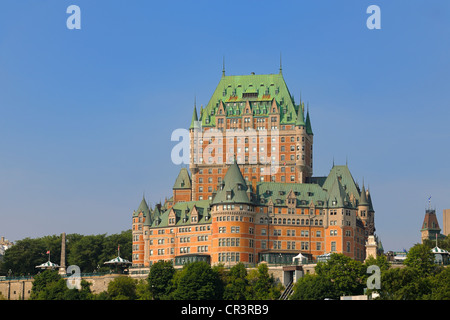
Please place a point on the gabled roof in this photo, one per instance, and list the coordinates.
(337, 197)
(260, 90)
(184, 210)
(183, 180)
(342, 173)
(276, 192)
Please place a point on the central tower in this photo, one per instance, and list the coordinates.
(253, 120)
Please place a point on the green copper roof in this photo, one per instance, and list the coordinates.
(337, 197)
(345, 178)
(233, 188)
(143, 207)
(363, 199)
(194, 119)
(305, 193)
(183, 180)
(183, 212)
(308, 124)
(300, 116)
(369, 199)
(260, 90)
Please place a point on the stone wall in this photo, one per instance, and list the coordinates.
(21, 289)
(16, 289)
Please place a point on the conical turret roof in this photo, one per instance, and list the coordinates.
(300, 116)
(308, 124)
(194, 119)
(363, 198)
(233, 188)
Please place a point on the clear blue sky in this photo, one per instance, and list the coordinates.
(86, 115)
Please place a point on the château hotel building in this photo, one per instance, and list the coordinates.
(249, 194)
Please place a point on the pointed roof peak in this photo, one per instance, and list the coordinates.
(143, 206)
(281, 68)
(183, 180)
(233, 188)
(308, 121)
(300, 116)
(223, 67)
(363, 199)
(194, 117)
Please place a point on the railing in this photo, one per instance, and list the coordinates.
(13, 278)
(30, 277)
(288, 291)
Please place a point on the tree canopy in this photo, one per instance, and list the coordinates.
(88, 252)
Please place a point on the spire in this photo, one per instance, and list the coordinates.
(300, 115)
(308, 122)
(280, 64)
(363, 198)
(223, 67)
(143, 207)
(194, 116)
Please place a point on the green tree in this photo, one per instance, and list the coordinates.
(237, 287)
(403, 284)
(440, 286)
(197, 281)
(142, 290)
(87, 252)
(49, 285)
(381, 261)
(421, 259)
(23, 257)
(314, 287)
(42, 281)
(262, 285)
(122, 288)
(346, 274)
(160, 279)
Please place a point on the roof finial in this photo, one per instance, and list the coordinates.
(223, 67)
(280, 64)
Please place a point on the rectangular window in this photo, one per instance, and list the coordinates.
(333, 246)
